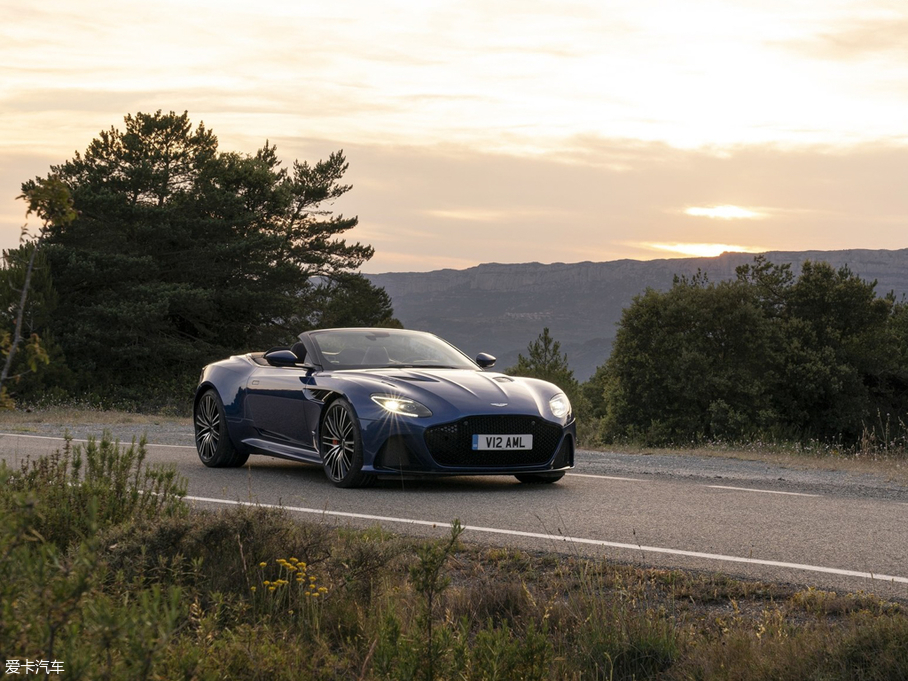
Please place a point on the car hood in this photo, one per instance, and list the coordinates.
(462, 390)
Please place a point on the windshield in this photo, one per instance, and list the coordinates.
(377, 348)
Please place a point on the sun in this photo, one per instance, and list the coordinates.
(724, 212)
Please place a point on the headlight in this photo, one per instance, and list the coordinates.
(560, 405)
(402, 406)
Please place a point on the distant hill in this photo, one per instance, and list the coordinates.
(501, 308)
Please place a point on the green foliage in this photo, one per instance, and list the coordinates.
(21, 310)
(33, 358)
(42, 299)
(430, 583)
(350, 300)
(181, 254)
(49, 199)
(499, 654)
(765, 355)
(545, 361)
(53, 574)
(100, 484)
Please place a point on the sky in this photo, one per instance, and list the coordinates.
(503, 130)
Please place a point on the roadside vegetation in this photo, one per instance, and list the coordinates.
(104, 568)
(767, 357)
(813, 365)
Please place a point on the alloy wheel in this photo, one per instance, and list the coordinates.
(338, 442)
(207, 427)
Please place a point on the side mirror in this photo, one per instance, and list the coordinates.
(281, 358)
(485, 360)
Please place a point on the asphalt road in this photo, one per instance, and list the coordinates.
(829, 530)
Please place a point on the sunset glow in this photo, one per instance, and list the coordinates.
(529, 131)
(702, 250)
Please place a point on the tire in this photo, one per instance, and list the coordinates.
(212, 441)
(341, 446)
(539, 478)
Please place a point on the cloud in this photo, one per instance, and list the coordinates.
(859, 39)
(486, 215)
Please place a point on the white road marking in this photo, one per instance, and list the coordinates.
(603, 477)
(563, 538)
(764, 491)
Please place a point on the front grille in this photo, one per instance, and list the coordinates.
(452, 444)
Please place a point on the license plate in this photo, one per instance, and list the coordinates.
(496, 442)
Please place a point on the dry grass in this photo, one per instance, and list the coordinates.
(85, 416)
(892, 467)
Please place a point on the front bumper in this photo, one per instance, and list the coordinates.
(446, 448)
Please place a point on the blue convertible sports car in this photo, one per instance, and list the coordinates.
(365, 403)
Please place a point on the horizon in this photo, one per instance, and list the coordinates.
(523, 131)
(680, 258)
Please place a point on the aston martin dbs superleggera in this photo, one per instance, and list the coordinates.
(366, 403)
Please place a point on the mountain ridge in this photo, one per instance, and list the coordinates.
(501, 307)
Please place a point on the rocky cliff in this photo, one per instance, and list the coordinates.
(501, 308)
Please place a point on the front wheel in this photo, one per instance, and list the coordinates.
(341, 446)
(211, 438)
(539, 478)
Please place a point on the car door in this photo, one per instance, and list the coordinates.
(277, 400)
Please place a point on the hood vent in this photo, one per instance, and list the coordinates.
(415, 377)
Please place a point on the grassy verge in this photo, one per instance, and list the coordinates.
(103, 568)
(890, 465)
(79, 415)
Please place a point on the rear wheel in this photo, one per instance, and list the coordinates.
(211, 439)
(540, 478)
(341, 446)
